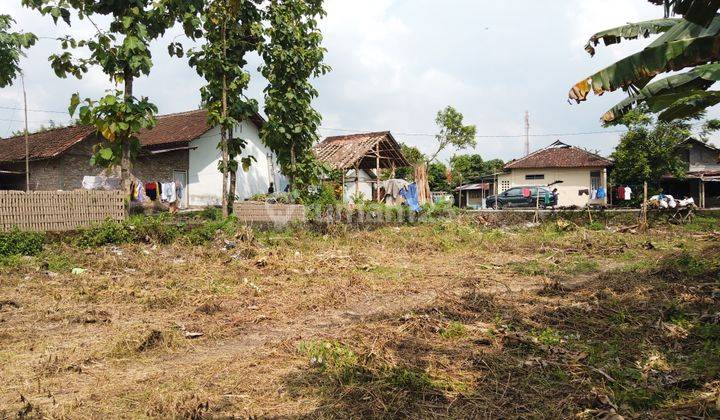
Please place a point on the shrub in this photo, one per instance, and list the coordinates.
(106, 233)
(16, 242)
(159, 229)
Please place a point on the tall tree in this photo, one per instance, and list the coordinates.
(122, 51)
(453, 132)
(649, 150)
(230, 32)
(11, 49)
(293, 55)
(692, 41)
(414, 156)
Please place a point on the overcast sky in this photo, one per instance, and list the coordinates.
(395, 64)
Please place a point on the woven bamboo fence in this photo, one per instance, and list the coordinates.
(58, 211)
(280, 214)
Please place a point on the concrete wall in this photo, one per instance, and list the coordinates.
(574, 179)
(701, 158)
(205, 183)
(365, 185)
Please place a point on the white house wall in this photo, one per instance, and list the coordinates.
(574, 180)
(205, 180)
(364, 186)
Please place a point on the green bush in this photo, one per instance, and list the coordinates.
(106, 233)
(16, 242)
(161, 229)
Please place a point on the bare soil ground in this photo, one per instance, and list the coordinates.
(446, 319)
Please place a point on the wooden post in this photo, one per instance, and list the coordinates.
(497, 191)
(342, 197)
(644, 220)
(357, 179)
(377, 171)
(702, 193)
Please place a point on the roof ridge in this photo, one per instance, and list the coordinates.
(369, 133)
(179, 114)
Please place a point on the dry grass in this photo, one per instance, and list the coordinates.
(447, 319)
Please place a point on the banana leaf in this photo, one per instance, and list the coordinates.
(700, 12)
(630, 31)
(637, 69)
(699, 78)
(683, 105)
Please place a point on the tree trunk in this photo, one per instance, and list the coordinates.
(233, 179)
(125, 164)
(223, 138)
(293, 168)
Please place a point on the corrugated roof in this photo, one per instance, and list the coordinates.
(560, 155)
(344, 152)
(171, 128)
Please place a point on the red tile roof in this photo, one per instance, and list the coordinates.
(560, 155)
(182, 127)
(343, 152)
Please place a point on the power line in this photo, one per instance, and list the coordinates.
(34, 110)
(585, 133)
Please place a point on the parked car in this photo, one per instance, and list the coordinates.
(514, 198)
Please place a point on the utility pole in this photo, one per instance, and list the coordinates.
(527, 133)
(27, 146)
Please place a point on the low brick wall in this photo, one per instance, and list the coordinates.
(265, 213)
(59, 211)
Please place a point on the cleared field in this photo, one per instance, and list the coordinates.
(446, 319)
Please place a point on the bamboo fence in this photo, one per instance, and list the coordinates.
(269, 213)
(58, 211)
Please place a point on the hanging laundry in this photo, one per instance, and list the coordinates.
(628, 193)
(593, 194)
(167, 192)
(526, 192)
(151, 190)
(601, 194)
(620, 193)
(585, 191)
(410, 194)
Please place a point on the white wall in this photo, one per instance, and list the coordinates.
(365, 185)
(574, 179)
(205, 180)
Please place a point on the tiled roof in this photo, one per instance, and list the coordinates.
(560, 155)
(172, 128)
(43, 145)
(343, 152)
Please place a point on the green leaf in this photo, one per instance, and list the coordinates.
(74, 102)
(630, 31)
(106, 153)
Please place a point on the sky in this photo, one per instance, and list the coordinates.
(396, 63)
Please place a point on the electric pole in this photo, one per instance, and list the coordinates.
(27, 146)
(527, 133)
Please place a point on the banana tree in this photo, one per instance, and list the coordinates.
(692, 41)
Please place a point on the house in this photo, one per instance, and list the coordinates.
(360, 158)
(573, 171)
(473, 195)
(702, 179)
(182, 148)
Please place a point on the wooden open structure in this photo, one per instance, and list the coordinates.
(370, 152)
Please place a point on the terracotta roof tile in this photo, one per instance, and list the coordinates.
(172, 128)
(560, 155)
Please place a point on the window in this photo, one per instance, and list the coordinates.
(534, 177)
(595, 180)
(515, 192)
(475, 194)
(504, 185)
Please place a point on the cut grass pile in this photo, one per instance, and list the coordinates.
(206, 318)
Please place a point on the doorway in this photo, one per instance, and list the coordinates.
(181, 178)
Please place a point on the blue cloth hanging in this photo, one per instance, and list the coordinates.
(601, 193)
(410, 194)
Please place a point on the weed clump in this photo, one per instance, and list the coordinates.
(15, 243)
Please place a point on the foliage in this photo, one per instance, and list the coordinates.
(11, 49)
(453, 133)
(469, 168)
(414, 156)
(438, 177)
(16, 242)
(115, 117)
(648, 150)
(690, 42)
(292, 55)
(122, 51)
(230, 31)
(52, 125)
